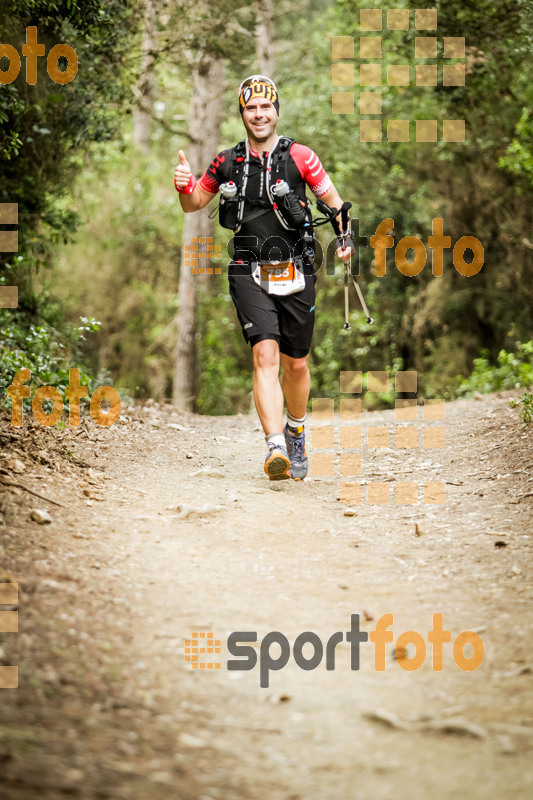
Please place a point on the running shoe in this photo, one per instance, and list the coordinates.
(297, 455)
(277, 464)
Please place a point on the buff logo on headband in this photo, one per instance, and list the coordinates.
(258, 89)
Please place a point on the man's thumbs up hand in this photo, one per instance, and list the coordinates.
(182, 174)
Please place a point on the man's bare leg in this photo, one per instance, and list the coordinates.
(268, 399)
(268, 396)
(296, 384)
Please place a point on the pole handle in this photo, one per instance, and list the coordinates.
(345, 217)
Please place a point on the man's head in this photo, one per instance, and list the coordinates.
(259, 107)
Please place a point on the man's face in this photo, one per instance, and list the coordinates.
(260, 119)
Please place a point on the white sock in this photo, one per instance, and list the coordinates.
(275, 440)
(296, 425)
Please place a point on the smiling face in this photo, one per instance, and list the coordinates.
(260, 118)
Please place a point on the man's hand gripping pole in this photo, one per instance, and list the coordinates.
(347, 241)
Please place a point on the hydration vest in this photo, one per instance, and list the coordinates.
(274, 170)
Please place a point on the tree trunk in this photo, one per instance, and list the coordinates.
(264, 37)
(142, 113)
(205, 116)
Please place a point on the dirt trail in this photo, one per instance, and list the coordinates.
(179, 531)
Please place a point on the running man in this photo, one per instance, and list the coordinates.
(272, 283)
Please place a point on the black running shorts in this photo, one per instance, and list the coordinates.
(288, 319)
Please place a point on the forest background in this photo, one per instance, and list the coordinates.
(100, 265)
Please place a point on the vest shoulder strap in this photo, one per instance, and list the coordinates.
(238, 156)
(279, 163)
(281, 157)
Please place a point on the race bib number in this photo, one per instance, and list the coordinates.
(281, 279)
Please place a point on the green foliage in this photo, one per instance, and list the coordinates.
(100, 224)
(511, 371)
(525, 404)
(46, 353)
(122, 269)
(45, 131)
(225, 360)
(518, 158)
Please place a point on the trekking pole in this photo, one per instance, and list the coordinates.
(346, 233)
(347, 325)
(345, 219)
(362, 301)
(340, 236)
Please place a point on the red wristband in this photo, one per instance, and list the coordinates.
(189, 188)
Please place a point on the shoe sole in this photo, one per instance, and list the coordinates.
(294, 477)
(278, 468)
(297, 478)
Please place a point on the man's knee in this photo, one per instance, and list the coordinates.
(295, 367)
(266, 354)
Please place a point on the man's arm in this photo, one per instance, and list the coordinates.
(317, 179)
(184, 181)
(333, 199)
(195, 201)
